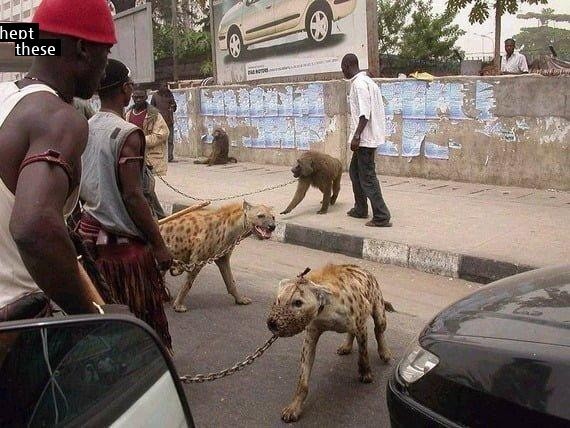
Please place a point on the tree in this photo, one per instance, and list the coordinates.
(535, 41)
(430, 36)
(545, 16)
(480, 12)
(391, 19)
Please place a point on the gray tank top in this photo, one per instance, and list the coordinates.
(100, 176)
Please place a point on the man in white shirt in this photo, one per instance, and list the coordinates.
(367, 133)
(514, 62)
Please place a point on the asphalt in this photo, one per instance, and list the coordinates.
(215, 334)
(472, 231)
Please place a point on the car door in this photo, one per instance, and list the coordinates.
(288, 15)
(258, 20)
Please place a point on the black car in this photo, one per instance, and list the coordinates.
(497, 358)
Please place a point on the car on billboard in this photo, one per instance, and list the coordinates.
(254, 21)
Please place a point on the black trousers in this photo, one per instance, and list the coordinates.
(171, 143)
(150, 195)
(365, 185)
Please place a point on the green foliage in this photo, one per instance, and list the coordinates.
(536, 40)
(430, 36)
(191, 44)
(545, 16)
(391, 19)
(207, 68)
(480, 9)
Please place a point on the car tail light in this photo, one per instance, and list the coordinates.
(416, 363)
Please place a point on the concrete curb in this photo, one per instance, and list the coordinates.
(434, 261)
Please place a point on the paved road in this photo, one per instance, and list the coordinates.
(215, 334)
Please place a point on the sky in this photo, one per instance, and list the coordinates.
(474, 44)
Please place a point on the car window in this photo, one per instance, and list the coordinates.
(75, 375)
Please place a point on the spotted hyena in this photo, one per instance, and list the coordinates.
(200, 235)
(334, 298)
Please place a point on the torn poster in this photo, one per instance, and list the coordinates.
(435, 100)
(271, 100)
(414, 99)
(256, 102)
(285, 107)
(315, 94)
(454, 101)
(484, 100)
(434, 151)
(243, 102)
(230, 102)
(218, 103)
(206, 106)
(287, 133)
(413, 134)
(300, 102)
(392, 94)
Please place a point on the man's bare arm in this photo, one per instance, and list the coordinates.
(37, 224)
(134, 199)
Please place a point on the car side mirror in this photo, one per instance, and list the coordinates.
(88, 370)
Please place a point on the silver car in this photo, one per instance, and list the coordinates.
(254, 21)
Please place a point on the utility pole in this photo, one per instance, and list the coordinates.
(174, 41)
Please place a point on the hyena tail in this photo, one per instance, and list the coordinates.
(388, 307)
(232, 160)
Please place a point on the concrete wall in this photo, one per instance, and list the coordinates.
(508, 130)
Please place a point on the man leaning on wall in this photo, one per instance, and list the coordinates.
(514, 62)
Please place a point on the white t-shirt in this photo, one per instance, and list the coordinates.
(516, 63)
(366, 100)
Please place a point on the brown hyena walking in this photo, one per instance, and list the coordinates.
(334, 298)
(200, 235)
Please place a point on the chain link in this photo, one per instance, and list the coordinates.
(201, 378)
(226, 198)
(179, 267)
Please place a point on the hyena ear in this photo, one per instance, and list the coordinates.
(321, 293)
(246, 206)
(283, 283)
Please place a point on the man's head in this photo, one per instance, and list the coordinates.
(349, 66)
(117, 84)
(509, 46)
(139, 98)
(87, 33)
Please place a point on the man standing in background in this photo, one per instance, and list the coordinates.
(156, 132)
(164, 101)
(514, 62)
(367, 133)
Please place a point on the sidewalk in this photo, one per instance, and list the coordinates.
(473, 231)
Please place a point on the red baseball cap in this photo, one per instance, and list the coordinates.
(89, 20)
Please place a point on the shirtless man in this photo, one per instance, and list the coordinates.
(42, 138)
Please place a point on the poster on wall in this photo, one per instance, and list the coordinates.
(263, 39)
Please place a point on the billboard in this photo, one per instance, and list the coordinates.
(265, 39)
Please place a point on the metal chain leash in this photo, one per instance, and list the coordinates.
(201, 378)
(179, 267)
(226, 198)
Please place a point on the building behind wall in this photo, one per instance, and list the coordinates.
(16, 11)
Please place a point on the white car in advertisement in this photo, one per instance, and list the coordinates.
(254, 21)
